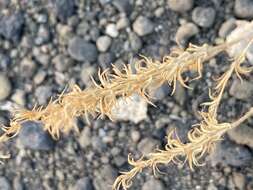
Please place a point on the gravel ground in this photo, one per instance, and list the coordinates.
(47, 44)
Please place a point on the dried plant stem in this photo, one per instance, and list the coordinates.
(59, 115)
(202, 138)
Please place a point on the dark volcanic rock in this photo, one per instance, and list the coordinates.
(11, 27)
(32, 136)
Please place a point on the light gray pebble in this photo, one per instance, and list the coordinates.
(152, 184)
(135, 41)
(180, 5)
(185, 32)
(148, 145)
(81, 50)
(61, 62)
(112, 30)
(40, 77)
(5, 87)
(204, 16)
(242, 91)
(85, 138)
(104, 177)
(42, 94)
(103, 43)
(227, 27)
(243, 8)
(143, 26)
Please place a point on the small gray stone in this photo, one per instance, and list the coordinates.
(203, 17)
(243, 8)
(241, 90)
(227, 27)
(27, 67)
(61, 62)
(64, 9)
(43, 35)
(122, 23)
(81, 50)
(148, 145)
(152, 184)
(239, 180)
(123, 6)
(180, 5)
(228, 153)
(135, 135)
(19, 97)
(185, 32)
(143, 26)
(33, 136)
(112, 30)
(5, 87)
(103, 43)
(85, 138)
(242, 135)
(43, 93)
(4, 184)
(104, 177)
(135, 41)
(11, 26)
(84, 183)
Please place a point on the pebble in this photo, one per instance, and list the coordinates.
(122, 23)
(133, 109)
(148, 145)
(203, 17)
(185, 32)
(228, 153)
(242, 135)
(5, 85)
(39, 77)
(111, 30)
(85, 137)
(84, 183)
(180, 5)
(135, 42)
(42, 94)
(33, 136)
(243, 8)
(86, 72)
(19, 97)
(4, 184)
(227, 27)
(43, 35)
(11, 27)
(81, 50)
(239, 180)
(64, 9)
(62, 62)
(103, 43)
(152, 184)
(135, 136)
(123, 6)
(241, 90)
(27, 67)
(104, 177)
(143, 26)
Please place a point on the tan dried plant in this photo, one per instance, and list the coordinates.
(59, 115)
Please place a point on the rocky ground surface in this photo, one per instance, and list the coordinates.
(47, 44)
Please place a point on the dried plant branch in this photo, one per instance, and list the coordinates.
(202, 137)
(59, 115)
